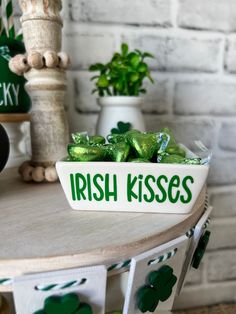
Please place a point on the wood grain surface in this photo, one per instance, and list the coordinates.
(39, 232)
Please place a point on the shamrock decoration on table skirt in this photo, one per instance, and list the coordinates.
(122, 127)
(67, 304)
(158, 288)
(201, 249)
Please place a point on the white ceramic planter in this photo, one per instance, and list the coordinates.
(119, 108)
(131, 187)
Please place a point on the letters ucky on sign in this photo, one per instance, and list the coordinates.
(10, 94)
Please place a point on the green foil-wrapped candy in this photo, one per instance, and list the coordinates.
(177, 159)
(144, 145)
(192, 161)
(97, 140)
(172, 140)
(80, 137)
(132, 146)
(83, 152)
(175, 150)
(115, 138)
(138, 160)
(172, 159)
(118, 152)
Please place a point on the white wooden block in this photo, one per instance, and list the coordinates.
(29, 299)
(141, 267)
(198, 231)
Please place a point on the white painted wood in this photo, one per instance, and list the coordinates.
(140, 269)
(28, 300)
(39, 232)
(192, 247)
(46, 86)
(127, 188)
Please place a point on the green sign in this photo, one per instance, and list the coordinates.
(13, 97)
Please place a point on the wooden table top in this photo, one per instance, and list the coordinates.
(14, 117)
(39, 231)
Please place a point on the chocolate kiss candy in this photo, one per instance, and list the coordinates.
(172, 159)
(169, 132)
(115, 138)
(119, 152)
(67, 304)
(138, 160)
(86, 153)
(144, 145)
(177, 159)
(80, 137)
(96, 140)
(176, 150)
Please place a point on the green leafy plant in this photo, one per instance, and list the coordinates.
(123, 75)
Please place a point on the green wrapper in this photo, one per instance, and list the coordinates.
(83, 152)
(175, 150)
(118, 152)
(97, 140)
(172, 141)
(115, 138)
(172, 159)
(80, 138)
(132, 146)
(138, 160)
(177, 159)
(144, 145)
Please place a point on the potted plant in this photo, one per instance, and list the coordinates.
(119, 85)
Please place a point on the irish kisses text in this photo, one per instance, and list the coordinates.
(139, 188)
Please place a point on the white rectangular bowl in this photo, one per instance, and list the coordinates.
(131, 187)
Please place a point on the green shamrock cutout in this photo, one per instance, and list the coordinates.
(67, 304)
(122, 127)
(158, 288)
(201, 249)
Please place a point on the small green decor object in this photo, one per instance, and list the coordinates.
(144, 145)
(123, 75)
(118, 152)
(122, 127)
(201, 249)
(67, 304)
(13, 97)
(158, 288)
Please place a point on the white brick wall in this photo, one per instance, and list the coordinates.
(153, 12)
(208, 14)
(170, 49)
(194, 42)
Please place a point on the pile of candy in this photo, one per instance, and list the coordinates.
(132, 146)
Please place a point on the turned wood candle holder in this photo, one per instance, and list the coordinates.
(44, 67)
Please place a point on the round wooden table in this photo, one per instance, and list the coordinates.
(39, 231)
